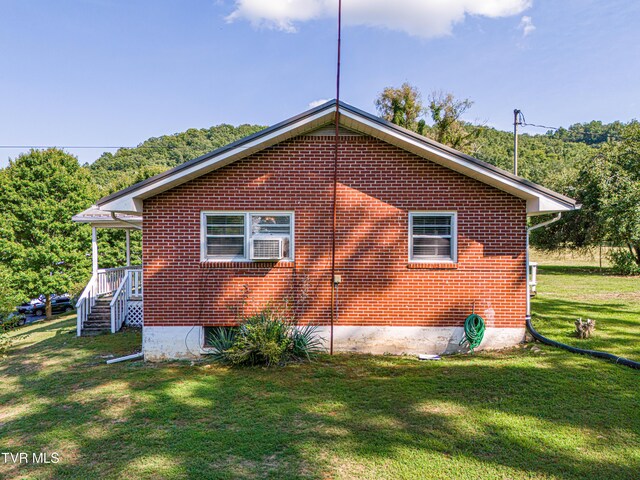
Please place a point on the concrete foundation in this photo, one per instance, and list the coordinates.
(172, 343)
(167, 343)
(415, 340)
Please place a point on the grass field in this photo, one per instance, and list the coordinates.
(572, 287)
(514, 414)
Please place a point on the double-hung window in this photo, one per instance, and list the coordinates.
(432, 237)
(224, 235)
(245, 236)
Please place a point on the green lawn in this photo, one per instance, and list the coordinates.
(514, 414)
(567, 292)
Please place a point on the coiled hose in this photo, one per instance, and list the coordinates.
(594, 353)
(473, 331)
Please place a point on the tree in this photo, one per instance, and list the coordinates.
(608, 186)
(9, 295)
(613, 185)
(402, 106)
(43, 249)
(448, 128)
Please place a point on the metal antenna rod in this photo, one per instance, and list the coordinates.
(335, 185)
(516, 113)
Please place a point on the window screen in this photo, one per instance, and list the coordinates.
(225, 235)
(432, 236)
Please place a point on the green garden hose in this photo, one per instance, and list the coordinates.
(473, 331)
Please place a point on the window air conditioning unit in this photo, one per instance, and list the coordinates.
(267, 248)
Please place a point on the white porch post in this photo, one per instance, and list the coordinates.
(127, 232)
(94, 250)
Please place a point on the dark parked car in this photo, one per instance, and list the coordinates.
(59, 304)
(34, 307)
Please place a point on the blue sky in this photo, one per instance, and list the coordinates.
(107, 72)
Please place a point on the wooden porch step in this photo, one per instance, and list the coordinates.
(98, 322)
(91, 332)
(100, 310)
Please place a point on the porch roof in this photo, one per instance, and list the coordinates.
(103, 219)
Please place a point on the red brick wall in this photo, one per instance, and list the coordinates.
(378, 185)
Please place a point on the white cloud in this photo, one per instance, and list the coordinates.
(317, 103)
(526, 25)
(422, 18)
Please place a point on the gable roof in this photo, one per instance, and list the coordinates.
(539, 199)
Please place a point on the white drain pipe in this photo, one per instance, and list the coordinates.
(135, 356)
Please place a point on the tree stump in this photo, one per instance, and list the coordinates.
(584, 328)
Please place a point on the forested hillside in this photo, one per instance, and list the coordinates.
(549, 159)
(545, 158)
(127, 166)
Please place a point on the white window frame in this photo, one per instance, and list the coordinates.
(454, 236)
(247, 234)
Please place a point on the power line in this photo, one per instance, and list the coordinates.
(523, 122)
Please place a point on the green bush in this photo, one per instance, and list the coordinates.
(623, 262)
(267, 337)
(6, 326)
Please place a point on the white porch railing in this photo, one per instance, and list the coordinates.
(131, 286)
(533, 278)
(105, 281)
(135, 283)
(86, 301)
(109, 279)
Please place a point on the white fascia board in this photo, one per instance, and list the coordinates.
(536, 201)
(132, 202)
(118, 225)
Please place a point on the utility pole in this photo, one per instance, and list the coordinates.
(516, 113)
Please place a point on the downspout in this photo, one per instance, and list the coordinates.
(529, 230)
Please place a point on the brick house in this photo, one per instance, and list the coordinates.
(424, 235)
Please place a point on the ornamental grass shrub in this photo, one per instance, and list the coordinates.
(267, 337)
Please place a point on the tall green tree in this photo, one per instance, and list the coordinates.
(608, 186)
(448, 127)
(10, 296)
(402, 106)
(44, 250)
(612, 189)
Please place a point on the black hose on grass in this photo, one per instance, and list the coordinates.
(594, 353)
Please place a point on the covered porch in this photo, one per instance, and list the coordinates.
(113, 297)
